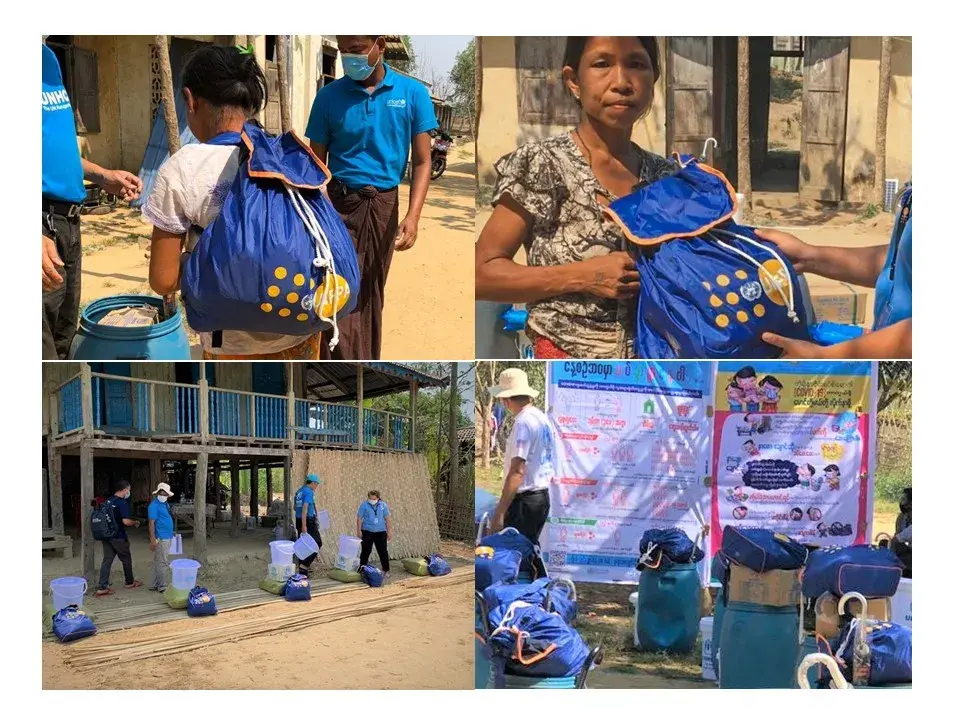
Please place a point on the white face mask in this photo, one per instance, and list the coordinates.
(373, 502)
(162, 498)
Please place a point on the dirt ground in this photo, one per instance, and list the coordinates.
(424, 647)
(429, 289)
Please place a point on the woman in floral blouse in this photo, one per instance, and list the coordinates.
(580, 283)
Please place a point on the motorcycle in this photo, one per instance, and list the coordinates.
(438, 154)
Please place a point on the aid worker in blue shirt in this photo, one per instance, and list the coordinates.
(305, 508)
(887, 268)
(63, 173)
(160, 525)
(365, 125)
(373, 527)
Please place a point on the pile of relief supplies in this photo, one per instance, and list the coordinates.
(526, 627)
(851, 589)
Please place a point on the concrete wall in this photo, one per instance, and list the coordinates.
(500, 131)
(860, 158)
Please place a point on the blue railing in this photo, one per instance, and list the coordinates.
(271, 416)
(326, 422)
(70, 405)
(187, 404)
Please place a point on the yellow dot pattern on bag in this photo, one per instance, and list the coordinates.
(742, 316)
(302, 316)
(723, 280)
(740, 275)
(759, 310)
(732, 298)
(267, 307)
(284, 312)
(775, 282)
(280, 273)
(273, 291)
(324, 297)
(722, 321)
(292, 298)
(299, 279)
(715, 301)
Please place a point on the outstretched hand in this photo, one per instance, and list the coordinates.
(795, 349)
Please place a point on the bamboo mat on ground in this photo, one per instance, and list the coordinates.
(130, 616)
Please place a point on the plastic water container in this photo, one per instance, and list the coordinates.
(348, 553)
(281, 552)
(184, 573)
(758, 646)
(719, 610)
(305, 546)
(67, 591)
(167, 340)
(902, 604)
(668, 609)
(707, 670)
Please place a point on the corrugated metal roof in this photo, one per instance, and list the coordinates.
(396, 48)
(337, 381)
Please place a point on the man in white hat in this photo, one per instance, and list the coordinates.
(528, 462)
(160, 521)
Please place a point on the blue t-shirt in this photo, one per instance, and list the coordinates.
(160, 514)
(368, 134)
(62, 171)
(373, 519)
(303, 497)
(121, 511)
(894, 289)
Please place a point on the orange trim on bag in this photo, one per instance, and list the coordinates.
(536, 658)
(610, 213)
(281, 176)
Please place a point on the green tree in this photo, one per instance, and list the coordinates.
(463, 77)
(408, 66)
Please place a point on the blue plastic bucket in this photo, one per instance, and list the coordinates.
(758, 646)
(66, 591)
(167, 340)
(668, 609)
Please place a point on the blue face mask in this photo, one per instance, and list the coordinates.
(358, 67)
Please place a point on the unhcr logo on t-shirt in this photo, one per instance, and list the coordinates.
(397, 103)
(58, 100)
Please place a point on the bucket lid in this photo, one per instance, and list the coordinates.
(184, 563)
(68, 580)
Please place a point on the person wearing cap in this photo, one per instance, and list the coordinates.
(305, 507)
(528, 462)
(160, 522)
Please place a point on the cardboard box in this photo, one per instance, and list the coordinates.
(828, 615)
(837, 302)
(778, 588)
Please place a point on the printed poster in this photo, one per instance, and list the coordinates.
(633, 452)
(791, 450)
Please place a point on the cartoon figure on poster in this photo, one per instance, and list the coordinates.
(737, 495)
(735, 396)
(831, 474)
(751, 449)
(745, 379)
(848, 426)
(808, 477)
(770, 390)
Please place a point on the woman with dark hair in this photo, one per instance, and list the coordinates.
(579, 282)
(223, 88)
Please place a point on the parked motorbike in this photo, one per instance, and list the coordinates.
(438, 154)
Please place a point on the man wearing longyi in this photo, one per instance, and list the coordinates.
(364, 125)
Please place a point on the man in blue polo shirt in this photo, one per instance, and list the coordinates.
(63, 194)
(305, 512)
(160, 524)
(364, 125)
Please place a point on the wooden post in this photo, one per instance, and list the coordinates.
(414, 391)
(744, 184)
(283, 80)
(359, 407)
(235, 497)
(269, 487)
(883, 106)
(204, 393)
(288, 493)
(86, 399)
(87, 543)
(292, 437)
(255, 488)
(156, 473)
(54, 470)
(454, 440)
(200, 509)
(167, 94)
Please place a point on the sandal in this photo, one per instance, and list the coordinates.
(134, 585)
(103, 593)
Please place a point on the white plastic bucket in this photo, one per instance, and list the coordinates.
(902, 603)
(305, 546)
(184, 573)
(348, 553)
(67, 591)
(281, 552)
